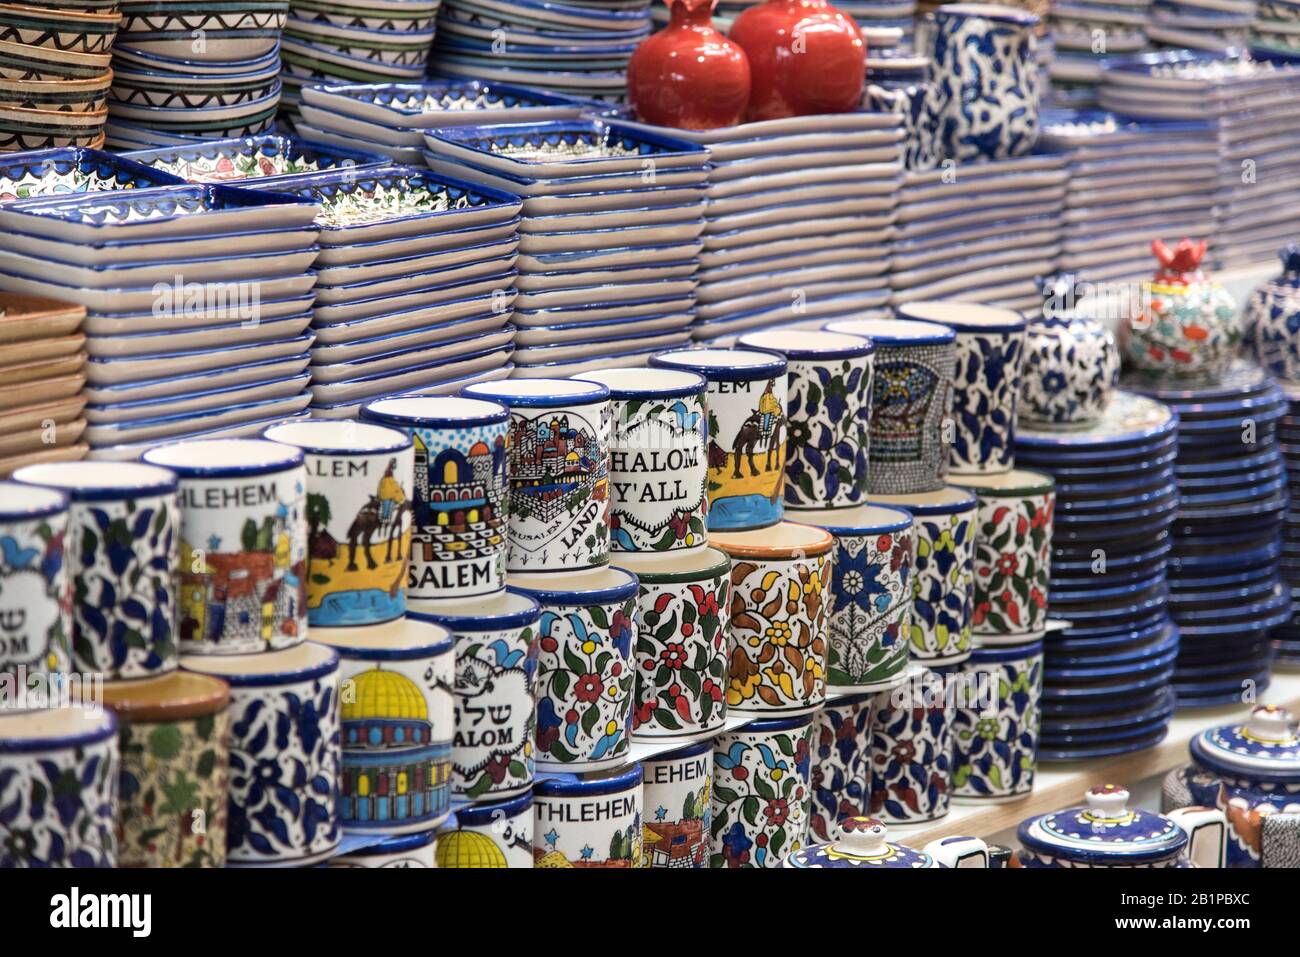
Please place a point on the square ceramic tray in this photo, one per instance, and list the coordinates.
(24, 318)
(112, 252)
(588, 259)
(143, 369)
(73, 170)
(601, 331)
(231, 267)
(610, 293)
(350, 410)
(397, 285)
(484, 288)
(237, 372)
(324, 353)
(540, 281)
(438, 103)
(408, 357)
(253, 158)
(410, 377)
(145, 298)
(212, 314)
(419, 262)
(412, 318)
(172, 341)
(186, 423)
(132, 451)
(571, 186)
(197, 402)
(599, 311)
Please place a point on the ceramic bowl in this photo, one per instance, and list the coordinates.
(242, 29)
(215, 120)
(23, 61)
(30, 129)
(73, 95)
(161, 90)
(64, 30)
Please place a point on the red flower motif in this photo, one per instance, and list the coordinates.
(680, 524)
(588, 688)
(884, 543)
(1037, 598)
(1008, 563)
(497, 767)
(673, 655)
(776, 812)
(549, 644)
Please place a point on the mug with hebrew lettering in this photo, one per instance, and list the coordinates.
(35, 592)
(358, 518)
(496, 673)
(125, 534)
(589, 820)
(558, 466)
(459, 495)
(658, 473)
(678, 799)
(398, 720)
(748, 432)
(243, 548)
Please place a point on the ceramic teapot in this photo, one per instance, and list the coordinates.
(1106, 832)
(1071, 360)
(1252, 772)
(862, 844)
(1188, 325)
(1272, 319)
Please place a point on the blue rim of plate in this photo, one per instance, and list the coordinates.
(1167, 506)
(1087, 490)
(1121, 637)
(1104, 705)
(469, 623)
(1163, 701)
(1265, 511)
(1121, 654)
(1107, 593)
(1082, 507)
(1267, 399)
(264, 679)
(1086, 537)
(550, 596)
(1260, 608)
(377, 416)
(1260, 680)
(1092, 690)
(107, 728)
(680, 359)
(166, 483)
(1243, 376)
(1162, 658)
(499, 391)
(667, 392)
(1115, 734)
(1083, 754)
(490, 812)
(1229, 466)
(400, 444)
(1242, 631)
(990, 654)
(1134, 455)
(1229, 667)
(1200, 593)
(1264, 472)
(1110, 466)
(1070, 584)
(571, 784)
(292, 459)
(1179, 582)
(1116, 618)
(1265, 490)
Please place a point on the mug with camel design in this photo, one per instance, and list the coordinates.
(829, 411)
(747, 432)
(358, 519)
(458, 501)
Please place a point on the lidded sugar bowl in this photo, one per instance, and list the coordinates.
(862, 843)
(1106, 832)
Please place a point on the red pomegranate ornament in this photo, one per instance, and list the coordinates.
(806, 57)
(689, 75)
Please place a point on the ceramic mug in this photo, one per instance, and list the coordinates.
(285, 757)
(871, 595)
(911, 749)
(58, 788)
(585, 666)
(986, 386)
(397, 707)
(174, 738)
(558, 466)
(911, 402)
(497, 834)
(914, 103)
(589, 820)
(243, 549)
(841, 771)
(996, 723)
(943, 577)
(358, 519)
(405, 850)
(460, 495)
(748, 432)
(780, 618)
(761, 792)
(828, 411)
(35, 589)
(658, 473)
(1013, 555)
(678, 796)
(985, 69)
(495, 679)
(125, 523)
(683, 619)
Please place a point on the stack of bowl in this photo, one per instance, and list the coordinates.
(391, 118)
(1085, 32)
(885, 24)
(198, 301)
(1286, 637)
(1277, 28)
(1216, 25)
(580, 48)
(185, 71)
(361, 41)
(609, 241)
(414, 282)
(54, 73)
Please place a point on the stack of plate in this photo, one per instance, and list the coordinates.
(414, 283)
(54, 73)
(1130, 182)
(1277, 28)
(610, 238)
(886, 24)
(362, 41)
(800, 214)
(896, 69)
(198, 301)
(984, 235)
(41, 362)
(1225, 591)
(1286, 637)
(189, 70)
(391, 118)
(1107, 676)
(1085, 33)
(580, 47)
(1253, 107)
(262, 158)
(1216, 25)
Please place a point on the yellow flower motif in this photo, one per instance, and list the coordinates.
(778, 633)
(813, 586)
(754, 641)
(776, 774)
(782, 680)
(588, 646)
(611, 727)
(612, 691)
(738, 692)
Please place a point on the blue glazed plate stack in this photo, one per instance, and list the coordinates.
(1107, 677)
(252, 158)
(1286, 637)
(189, 70)
(1276, 30)
(609, 241)
(1085, 33)
(1213, 25)
(1130, 181)
(980, 232)
(391, 118)
(580, 48)
(885, 24)
(1226, 593)
(414, 283)
(800, 214)
(358, 41)
(1252, 106)
(198, 303)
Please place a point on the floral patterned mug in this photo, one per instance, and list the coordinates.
(911, 749)
(761, 792)
(996, 723)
